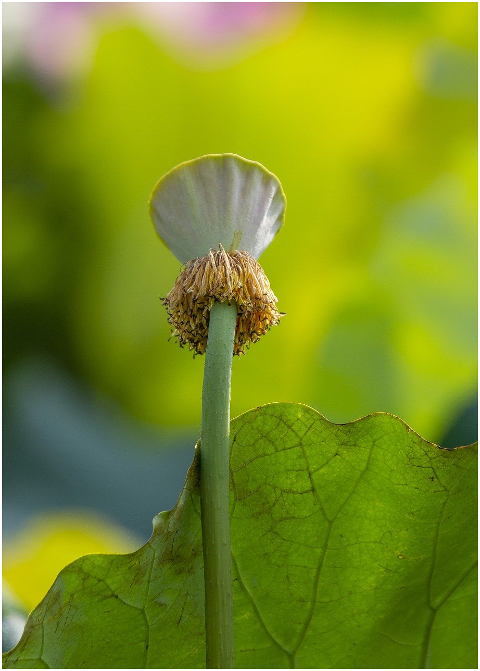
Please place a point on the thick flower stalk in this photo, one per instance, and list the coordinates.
(217, 214)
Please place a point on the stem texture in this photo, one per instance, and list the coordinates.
(214, 486)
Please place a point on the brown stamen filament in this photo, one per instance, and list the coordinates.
(225, 277)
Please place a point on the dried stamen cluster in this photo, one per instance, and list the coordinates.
(221, 276)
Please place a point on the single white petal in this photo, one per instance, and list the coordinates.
(217, 199)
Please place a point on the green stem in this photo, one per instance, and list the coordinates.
(214, 486)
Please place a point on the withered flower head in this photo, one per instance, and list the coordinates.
(217, 214)
(221, 276)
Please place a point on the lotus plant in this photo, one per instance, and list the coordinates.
(354, 544)
(217, 214)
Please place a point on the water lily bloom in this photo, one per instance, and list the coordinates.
(217, 214)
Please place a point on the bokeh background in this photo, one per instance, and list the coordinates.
(367, 114)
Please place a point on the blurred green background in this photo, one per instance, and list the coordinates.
(367, 114)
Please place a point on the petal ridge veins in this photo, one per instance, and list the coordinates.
(217, 199)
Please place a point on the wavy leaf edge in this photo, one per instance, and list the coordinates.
(162, 519)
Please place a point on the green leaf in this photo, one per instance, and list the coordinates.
(354, 547)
